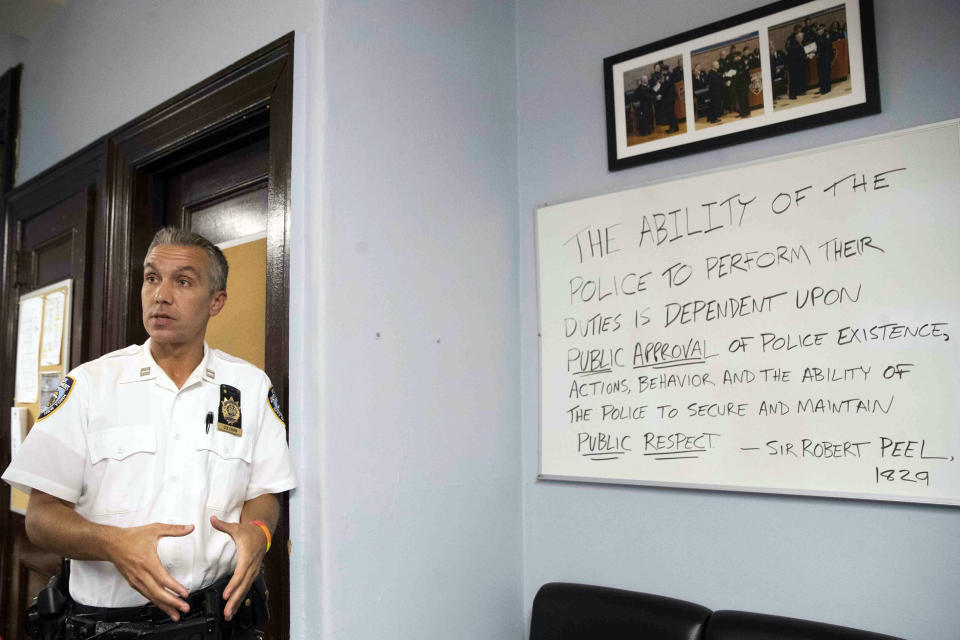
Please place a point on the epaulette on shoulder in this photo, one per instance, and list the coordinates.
(226, 357)
(132, 350)
(97, 363)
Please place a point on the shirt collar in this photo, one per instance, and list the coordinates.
(145, 368)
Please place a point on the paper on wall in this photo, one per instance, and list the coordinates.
(28, 349)
(53, 309)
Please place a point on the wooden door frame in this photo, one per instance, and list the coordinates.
(9, 124)
(261, 80)
(264, 79)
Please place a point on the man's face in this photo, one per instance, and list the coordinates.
(176, 297)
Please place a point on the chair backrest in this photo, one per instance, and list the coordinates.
(566, 611)
(742, 625)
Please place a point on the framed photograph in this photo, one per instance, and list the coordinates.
(782, 67)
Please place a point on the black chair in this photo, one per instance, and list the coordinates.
(566, 611)
(742, 625)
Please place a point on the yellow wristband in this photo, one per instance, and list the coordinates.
(266, 532)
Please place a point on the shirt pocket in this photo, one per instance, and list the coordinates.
(229, 461)
(122, 458)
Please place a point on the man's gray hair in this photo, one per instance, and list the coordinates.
(184, 238)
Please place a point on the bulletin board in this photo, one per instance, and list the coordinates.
(786, 326)
(43, 359)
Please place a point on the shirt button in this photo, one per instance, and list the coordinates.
(173, 478)
(119, 449)
(176, 436)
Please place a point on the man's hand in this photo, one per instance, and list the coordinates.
(251, 544)
(134, 552)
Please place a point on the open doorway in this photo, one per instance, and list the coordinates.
(215, 159)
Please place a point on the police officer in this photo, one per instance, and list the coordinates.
(716, 92)
(741, 84)
(796, 65)
(629, 110)
(668, 97)
(825, 55)
(646, 100)
(699, 78)
(155, 468)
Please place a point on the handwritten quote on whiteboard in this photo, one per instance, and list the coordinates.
(788, 326)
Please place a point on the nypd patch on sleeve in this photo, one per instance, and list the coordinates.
(58, 398)
(275, 404)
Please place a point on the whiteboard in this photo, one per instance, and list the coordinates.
(786, 326)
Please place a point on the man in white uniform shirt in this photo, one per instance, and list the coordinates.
(155, 468)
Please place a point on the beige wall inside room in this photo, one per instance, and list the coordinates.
(239, 329)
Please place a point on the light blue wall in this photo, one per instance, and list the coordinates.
(406, 523)
(101, 63)
(421, 452)
(888, 567)
(10, 46)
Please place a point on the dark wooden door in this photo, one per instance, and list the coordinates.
(9, 124)
(51, 228)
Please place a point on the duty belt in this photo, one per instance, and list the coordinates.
(46, 620)
(149, 612)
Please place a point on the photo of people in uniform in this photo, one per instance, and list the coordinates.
(809, 59)
(727, 81)
(748, 73)
(654, 101)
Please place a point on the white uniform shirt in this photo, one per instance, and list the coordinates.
(128, 448)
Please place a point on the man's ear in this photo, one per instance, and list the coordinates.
(217, 301)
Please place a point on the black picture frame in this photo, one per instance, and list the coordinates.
(642, 84)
